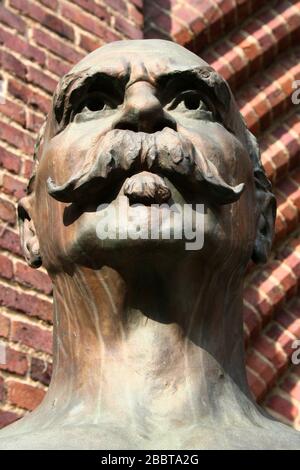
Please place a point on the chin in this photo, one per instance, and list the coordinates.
(92, 246)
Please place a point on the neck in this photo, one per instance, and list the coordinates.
(148, 344)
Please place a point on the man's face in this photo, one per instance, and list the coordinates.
(139, 122)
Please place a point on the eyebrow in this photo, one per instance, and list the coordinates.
(205, 76)
(73, 84)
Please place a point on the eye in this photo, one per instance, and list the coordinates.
(94, 102)
(191, 100)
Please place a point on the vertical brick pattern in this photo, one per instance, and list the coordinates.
(39, 42)
(254, 45)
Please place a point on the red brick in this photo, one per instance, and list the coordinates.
(10, 63)
(252, 321)
(237, 62)
(261, 107)
(9, 161)
(287, 321)
(13, 111)
(206, 9)
(33, 121)
(59, 26)
(136, 15)
(2, 389)
(41, 79)
(7, 211)
(31, 335)
(287, 187)
(14, 21)
(10, 241)
(273, 291)
(16, 137)
(271, 352)
(6, 267)
(23, 395)
(58, 66)
(256, 385)
(139, 3)
(292, 388)
(187, 15)
(29, 96)
(261, 367)
(293, 262)
(99, 11)
(222, 68)
(50, 3)
(56, 46)
(43, 17)
(286, 280)
(267, 43)
(127, 28)
(16, 362)
(291, 143)
(291, 16)
(118, 5)
(280, 31)
(13, 186)
(33, 278)
(89, 43)
(251, 119)
(28, 168)
(7, 417)
(26, 303)
(87, 22)
(282, 406)
(280, 337)
(15, 43)
(259, 302)
(4, 326)
(289, 214)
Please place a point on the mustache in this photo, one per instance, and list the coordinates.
(120, 153)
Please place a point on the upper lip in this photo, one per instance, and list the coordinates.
(126, 153)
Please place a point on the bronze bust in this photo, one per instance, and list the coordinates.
(148, 339)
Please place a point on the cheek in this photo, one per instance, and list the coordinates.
(234, 224)
(70, 152)
(221, 148)
(54, 236)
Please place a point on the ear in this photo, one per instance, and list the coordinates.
(29, 241)
(266, 204)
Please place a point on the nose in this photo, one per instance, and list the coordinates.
(143, 111)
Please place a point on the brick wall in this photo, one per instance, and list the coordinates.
(254, 45)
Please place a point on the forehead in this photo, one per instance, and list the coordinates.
(151, 57)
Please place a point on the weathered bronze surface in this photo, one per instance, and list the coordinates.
(148, 338)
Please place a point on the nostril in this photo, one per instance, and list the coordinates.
(162, 123)
(127, 126)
